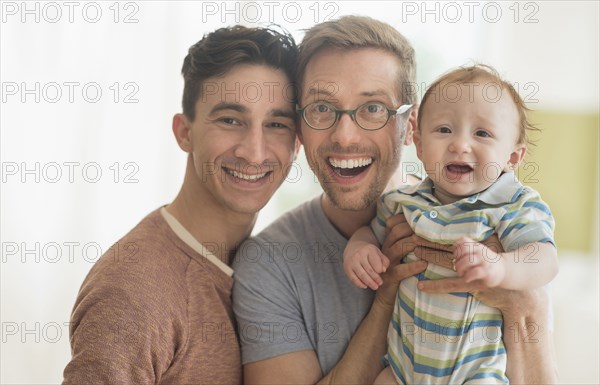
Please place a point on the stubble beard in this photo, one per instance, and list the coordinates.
(344, 197)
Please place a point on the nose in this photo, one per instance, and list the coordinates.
(460, 144)
(346, 132)
(252, 146)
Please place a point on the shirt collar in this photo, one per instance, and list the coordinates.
(505, 189)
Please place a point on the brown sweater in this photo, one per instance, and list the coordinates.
(154, 311)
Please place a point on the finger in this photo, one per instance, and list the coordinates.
(349, 267)
(464, 239)
(405, 270)
(356, 281)
(385, 262)
(463, 265)
(373, 274)
(432, 245)
(398, 250)
(447, 285)
(369, 278)
(374, 262)
(388, 291)
(439, 257)
(493, 242)
(396, 229)
(394, 220)
(474, 274)
(462, 246)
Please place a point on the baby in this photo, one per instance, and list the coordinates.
(471, 136)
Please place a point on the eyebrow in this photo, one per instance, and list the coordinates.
(287, 113)
(374, 93)
(228, 106)
(319, 91)
(324, 91)
(283, 113)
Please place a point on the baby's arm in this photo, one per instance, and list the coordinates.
(363, 261)
(527, 267)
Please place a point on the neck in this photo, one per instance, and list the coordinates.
(444, 196)
(347, 221)
(211, 224)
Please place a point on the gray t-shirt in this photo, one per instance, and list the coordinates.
(291, 293)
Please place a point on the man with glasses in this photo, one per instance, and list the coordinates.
(300, 320)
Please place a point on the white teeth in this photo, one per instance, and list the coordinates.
(246, 176)
(350, 163)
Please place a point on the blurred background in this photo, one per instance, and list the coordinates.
(89, 90)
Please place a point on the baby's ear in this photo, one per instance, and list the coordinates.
(516, 157)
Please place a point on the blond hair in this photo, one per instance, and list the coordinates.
(356, 32)
(467, 74)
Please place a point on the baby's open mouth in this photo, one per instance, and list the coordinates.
(459, 168)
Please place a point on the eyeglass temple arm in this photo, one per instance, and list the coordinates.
(403, 108)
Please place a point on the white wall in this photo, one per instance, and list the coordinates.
(53, 227)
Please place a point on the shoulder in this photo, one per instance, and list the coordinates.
(406, 194)
(289, 248)
(143, 269)
(527, 199)
(299, 219)
(264, 248)
(289, 229)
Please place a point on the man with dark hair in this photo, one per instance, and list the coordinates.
(163, 316)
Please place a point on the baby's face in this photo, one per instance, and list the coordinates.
(468, 136)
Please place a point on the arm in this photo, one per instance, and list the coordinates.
(520, 269)
(528, 342)
(115, 339)
(363, 261)
(361, 362)
(526, 231)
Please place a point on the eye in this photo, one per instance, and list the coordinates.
(321, 108)
(280, 125)
(229, 121)
(445, 130)
(373, 108)
(483, 134)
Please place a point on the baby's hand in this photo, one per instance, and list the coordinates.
(364, 264)
(474, 261)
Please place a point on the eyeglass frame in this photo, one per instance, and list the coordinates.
(391, 112)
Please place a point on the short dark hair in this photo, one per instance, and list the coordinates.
(221, 50)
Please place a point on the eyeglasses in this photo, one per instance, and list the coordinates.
(370, 116)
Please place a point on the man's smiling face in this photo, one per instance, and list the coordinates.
(243, 138)
(353, 165)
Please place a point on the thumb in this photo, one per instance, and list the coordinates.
(406, 270)
(387, 292)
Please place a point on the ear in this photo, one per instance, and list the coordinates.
(299, 133)
(515, 158)
(297, 146)
(411, 125)
(417, 141)
(182, 129)
(416, 135)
